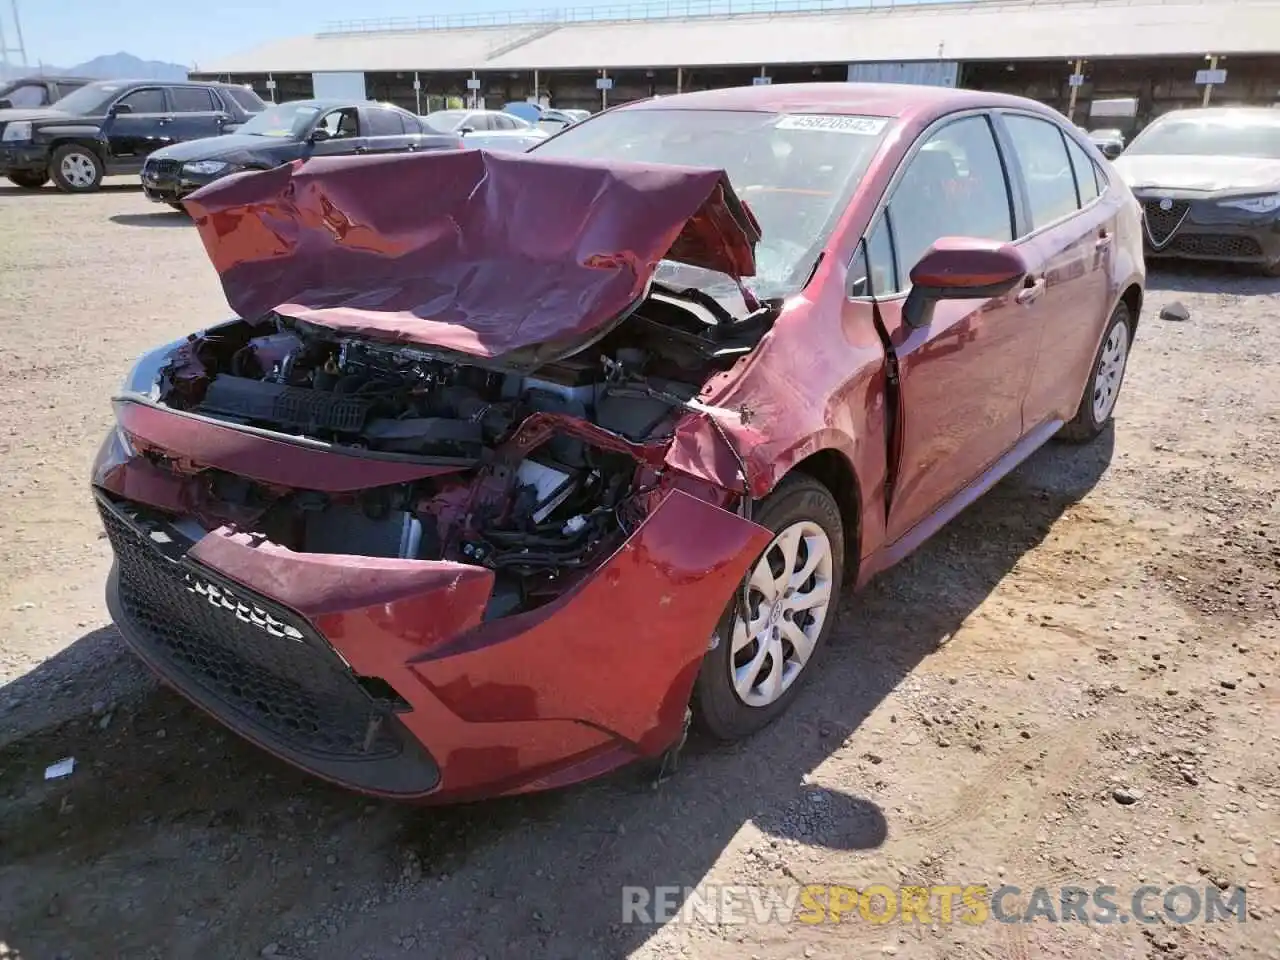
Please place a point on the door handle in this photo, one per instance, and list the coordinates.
(362, 150)
(1031, 292)
(164, 120)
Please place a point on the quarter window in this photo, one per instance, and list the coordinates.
(954, 186)
(1046, 169)
(192, 100)
(1086, 179)
(147, 100)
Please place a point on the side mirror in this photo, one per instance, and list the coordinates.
(1112, 150)
(961, 268)
(463, 131)
(120, 109)
(319, 135)
(6, 103)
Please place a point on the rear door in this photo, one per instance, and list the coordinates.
(385, 131)
(963, 377)
(196, 113)
(1068, 247)
(134, 134)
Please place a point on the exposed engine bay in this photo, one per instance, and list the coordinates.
(543, 473)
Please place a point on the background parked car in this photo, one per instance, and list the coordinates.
(285, 132)
(553, 121)
(108, 128)
(476, 121)
(27, 93)
(1109, 140)
(1209, 183)
(510, 140)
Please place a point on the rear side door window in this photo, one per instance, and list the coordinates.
(953, 186)
(1082, 167)
(1046, 168)
(384, 123)
(192, 100)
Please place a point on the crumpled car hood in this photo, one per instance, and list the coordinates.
(491, 255)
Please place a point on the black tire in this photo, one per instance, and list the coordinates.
(28, 180)
(86, 155)
(718, 710)
(179, 207)
(1084, 426)
(1270, 269)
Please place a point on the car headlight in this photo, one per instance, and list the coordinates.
(1265, 204)
(144, 378)
(205, 167)
(17, 130)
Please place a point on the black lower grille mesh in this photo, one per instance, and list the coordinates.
(1215, 245)
(257, 659)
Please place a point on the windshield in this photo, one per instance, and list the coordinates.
(796, 172)
(287, 121)
(1220, 136)
(89, 100)
(446, 120)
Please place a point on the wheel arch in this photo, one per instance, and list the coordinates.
(834, 470)
(1132, 298)
(70, 139)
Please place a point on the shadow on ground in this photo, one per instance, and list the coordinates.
(1192, 276)
(156, 218)
(174, 839)
(10, 192)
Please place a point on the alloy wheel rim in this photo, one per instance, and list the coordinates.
(1106, 385)
(786, 600)
(77, 169)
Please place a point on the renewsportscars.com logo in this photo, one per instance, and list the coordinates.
(970, 904)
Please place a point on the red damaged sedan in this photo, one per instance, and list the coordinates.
(510, 465)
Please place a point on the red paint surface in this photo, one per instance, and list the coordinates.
(502, 703)
(267, 460)
(483, 253)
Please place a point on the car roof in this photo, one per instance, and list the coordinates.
(47, 77)
(899, 100)
(127, 82)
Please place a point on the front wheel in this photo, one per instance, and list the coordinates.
(76, 169)
(1105, 378)
(28, 180)
(776, 626)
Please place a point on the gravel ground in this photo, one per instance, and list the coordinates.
(1074, 684)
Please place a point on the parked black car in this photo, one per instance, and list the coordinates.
(27, 93)
(108, 127)
(289, 131)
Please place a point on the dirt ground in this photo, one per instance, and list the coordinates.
(1074, 684)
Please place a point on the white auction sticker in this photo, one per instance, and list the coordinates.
(834, 123)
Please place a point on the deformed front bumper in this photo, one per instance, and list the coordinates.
(382, 674)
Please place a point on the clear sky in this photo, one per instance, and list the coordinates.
(66, 32)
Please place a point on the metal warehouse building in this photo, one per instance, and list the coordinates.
(1068, 53)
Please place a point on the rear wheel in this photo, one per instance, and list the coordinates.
(76, 169)
(1270, 269)
(777, 625)
(178, 206)
(1105, 378)
(29, 180)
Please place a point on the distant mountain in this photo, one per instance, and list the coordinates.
(115, 66)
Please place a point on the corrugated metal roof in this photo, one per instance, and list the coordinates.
(1032, 29)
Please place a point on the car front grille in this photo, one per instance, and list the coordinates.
(1162, 223)
(258, 666)
(1225, 245)
(162, 168)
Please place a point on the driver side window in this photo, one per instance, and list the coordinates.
(954, 186)
(341, 124)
